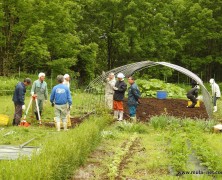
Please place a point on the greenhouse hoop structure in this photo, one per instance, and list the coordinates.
(96, 87)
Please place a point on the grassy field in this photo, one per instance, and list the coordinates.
(165, 148)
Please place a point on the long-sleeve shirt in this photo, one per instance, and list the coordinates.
(120, 92)
(19, 94)
(215, 90)
(133, 94)
(61, 95)
(109, 86)
(193, 91)
(40, 88)
(66, 83)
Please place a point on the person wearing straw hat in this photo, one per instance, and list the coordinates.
(110, 83)
(40, 91)
(215, 93)
(119, 92)
(59, 98)
(19, 100)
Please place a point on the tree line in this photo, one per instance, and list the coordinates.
(84, 38)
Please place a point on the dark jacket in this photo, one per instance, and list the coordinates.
(193, 83)
(193, 92)
(19, 94)
(119, 94)
(133, 94)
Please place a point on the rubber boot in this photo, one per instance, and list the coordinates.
(133, 119)
(215, 109)
(65, 126)
(115, 115)
(120, 116)
(58, 126)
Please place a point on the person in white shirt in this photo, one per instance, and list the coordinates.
(66, 80)
(110, 83)
(215, 93)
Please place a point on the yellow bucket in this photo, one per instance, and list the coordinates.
(197, 105)
(4, 120)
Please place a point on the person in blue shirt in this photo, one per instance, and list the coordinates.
(19, 100)
(133, 98)
(59, 98)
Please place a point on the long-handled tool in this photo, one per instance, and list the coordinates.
(26, 112)
(37, 107)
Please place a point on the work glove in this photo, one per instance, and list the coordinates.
(23, 107)
(53, 104)
(115, 88)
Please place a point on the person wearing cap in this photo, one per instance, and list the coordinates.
(110, 83)
(60, 98)
(66, 80)
(19, 100)
(119, 92)
(215, 93)
(133, 98)
(192, 95)
(40, 91)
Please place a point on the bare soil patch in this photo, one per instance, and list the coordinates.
(174, 107)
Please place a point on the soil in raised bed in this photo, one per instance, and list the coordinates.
(173, 107)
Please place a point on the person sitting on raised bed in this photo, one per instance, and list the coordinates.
(192, 95)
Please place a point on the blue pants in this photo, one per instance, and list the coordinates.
(132, 110)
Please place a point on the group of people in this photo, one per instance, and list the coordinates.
(193, 93)
(115, 93)
(60, 98)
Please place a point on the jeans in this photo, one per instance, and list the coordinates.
(17, 115)
(132, 110)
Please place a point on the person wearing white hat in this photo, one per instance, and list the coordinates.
(66, 80)
(119, 92)
(110, 83)
(40, 91)
(215, 93)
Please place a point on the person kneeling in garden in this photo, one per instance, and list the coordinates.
(192, 95)
(133, 98)
(59, 98)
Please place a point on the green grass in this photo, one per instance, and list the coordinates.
(80, 105)
(61, 152)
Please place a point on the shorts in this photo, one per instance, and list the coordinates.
(118, 105)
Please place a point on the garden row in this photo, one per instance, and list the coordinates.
(164, 149)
